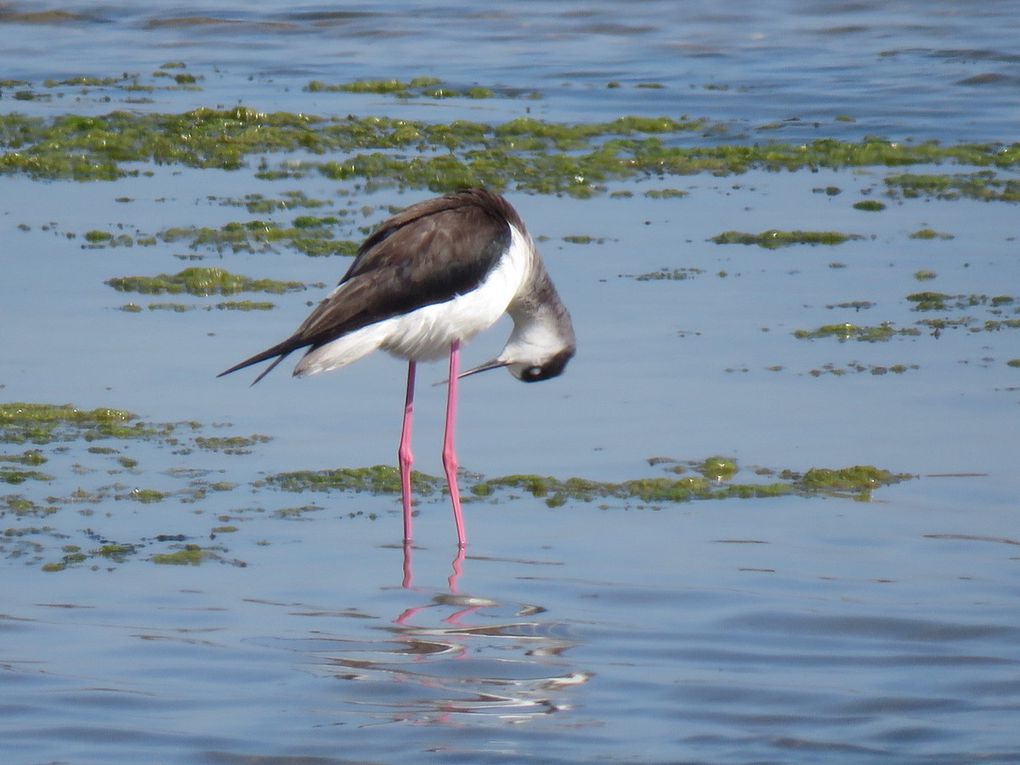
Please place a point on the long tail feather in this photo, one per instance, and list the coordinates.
(280, 351)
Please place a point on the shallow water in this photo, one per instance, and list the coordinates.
(783, 629)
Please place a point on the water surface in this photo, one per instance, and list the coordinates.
(787, 629)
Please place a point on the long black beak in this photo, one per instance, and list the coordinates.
(491, 364)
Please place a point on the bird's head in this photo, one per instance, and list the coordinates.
(533, 370)
(539, 347)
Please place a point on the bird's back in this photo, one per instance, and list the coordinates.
(427, 254)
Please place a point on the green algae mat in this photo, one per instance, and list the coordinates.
(40, 510)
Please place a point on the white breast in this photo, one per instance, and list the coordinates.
(425, 334)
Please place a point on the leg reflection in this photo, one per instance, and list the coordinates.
(457, 567)
(452, 581)
(408, 573)
(458, 561)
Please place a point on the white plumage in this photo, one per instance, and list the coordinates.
(426, 333)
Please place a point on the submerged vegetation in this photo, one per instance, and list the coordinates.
(983, 185)
(44, 423)
(940, 301)
(929, 233)
(83, 486)
(847, 331)
(230, 444)
(858, 480)
(774, 239)
(309, 234)
(227, 305)
(526, 153)
(1002, 312)
(670, 274)
(78, 481)
(856, 367)
(380, 479)
(188, 555)
(869, 205)
(313, 235)
(418, 87)
(202, 282)
(713, 482)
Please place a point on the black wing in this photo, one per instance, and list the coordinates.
(426, 254)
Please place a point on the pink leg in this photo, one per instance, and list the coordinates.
(404, 456)
(449, 453)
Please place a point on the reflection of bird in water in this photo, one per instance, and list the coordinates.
(429, 278)
(480, 632)
(449, 654)
(456, 568)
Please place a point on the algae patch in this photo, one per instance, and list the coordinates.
(144, 496)
(71, 494)
(227, 305)
(75, 485)
(666, 194)
(940, 301)
(230, 444)
(774, 239)
(116, 552)
(31, 457)
(418, 87)
(718, 468)
(670, 274)
(189, 555)
(42, 423)
(15, 476)
(857, 367)
(983, 185)
(533, 155)
(379, 479)
(257, 204)
(857, 481)
(202, 282)
(1002, 313)
(72, 556)
(930, 233)
(869, 205)
(714, 482)
(846, 331)
(310, 235)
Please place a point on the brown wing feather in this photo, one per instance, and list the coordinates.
(425, 254)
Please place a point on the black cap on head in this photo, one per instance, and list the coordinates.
(552, 368)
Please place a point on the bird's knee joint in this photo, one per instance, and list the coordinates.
(450, 462)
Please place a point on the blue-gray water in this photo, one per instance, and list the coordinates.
(770, 630)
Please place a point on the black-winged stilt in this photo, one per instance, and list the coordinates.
(426, 280)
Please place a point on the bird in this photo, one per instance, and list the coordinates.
(422, 284)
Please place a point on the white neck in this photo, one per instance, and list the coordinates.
(542, 326)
